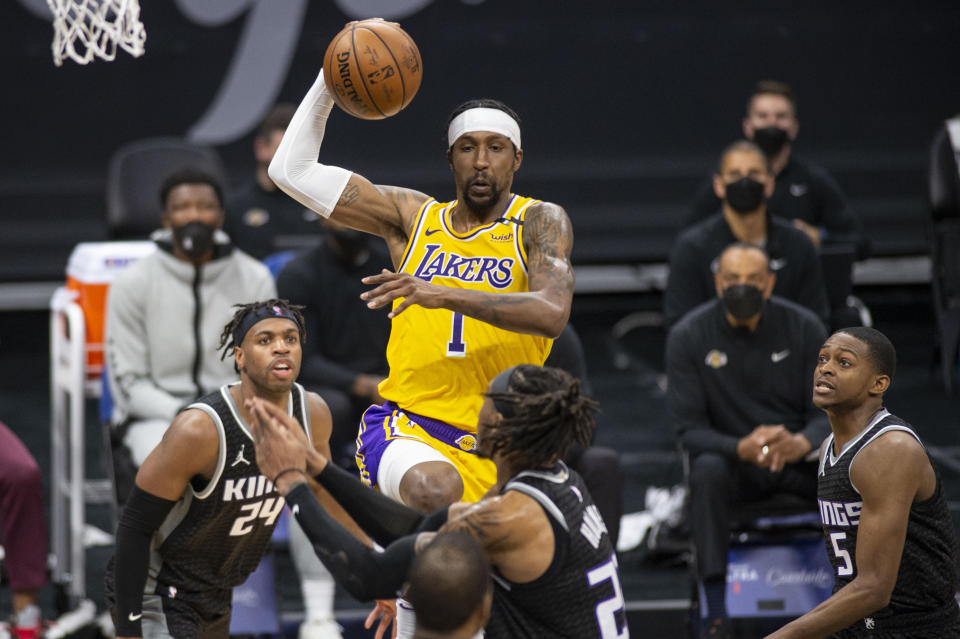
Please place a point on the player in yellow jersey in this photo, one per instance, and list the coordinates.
(481, 283)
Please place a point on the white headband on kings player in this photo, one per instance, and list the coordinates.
(484, 119)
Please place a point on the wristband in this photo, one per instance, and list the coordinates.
(285, 471)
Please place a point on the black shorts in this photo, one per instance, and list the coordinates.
(180, 616)
(937, 624)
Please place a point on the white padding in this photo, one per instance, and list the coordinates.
(400, 456)
(484, 119)
(294, 167)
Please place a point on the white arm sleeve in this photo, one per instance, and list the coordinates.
(294, 167)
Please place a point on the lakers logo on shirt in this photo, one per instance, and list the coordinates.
(716, 359)
(497, 272)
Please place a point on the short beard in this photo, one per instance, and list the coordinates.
(478, 209)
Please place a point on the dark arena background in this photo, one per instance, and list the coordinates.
(625, 107)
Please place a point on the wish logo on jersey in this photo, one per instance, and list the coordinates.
(443, 264)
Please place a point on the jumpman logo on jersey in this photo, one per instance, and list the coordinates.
(240, 457)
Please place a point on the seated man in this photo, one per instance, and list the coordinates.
(804, 193)
(165, 311)
(744, 181)
(739, 369)
(346, 357)
(261, 219)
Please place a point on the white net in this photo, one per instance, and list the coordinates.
(83, 29)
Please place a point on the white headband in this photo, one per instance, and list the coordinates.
(484, 119)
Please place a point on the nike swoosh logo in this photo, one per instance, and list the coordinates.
(780, 356)
(777, 264)
(133, 617)
(430, 232)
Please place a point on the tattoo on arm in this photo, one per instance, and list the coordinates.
(548, 239)
(350, 193)
(486, 524)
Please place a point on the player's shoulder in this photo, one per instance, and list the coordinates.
(545, 218)
(315, 402)
(894, 446)
(193, 430)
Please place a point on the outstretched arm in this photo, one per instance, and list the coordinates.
(513, 529)
(280, 448)
(890, 474)
(544, 310)
(329, 190)
(188, 448)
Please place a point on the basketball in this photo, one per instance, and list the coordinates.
(373, 68)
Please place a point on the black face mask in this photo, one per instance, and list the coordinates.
(194, 238)
(770, 139)
(742, 300)
(744, 195)
(351, 242)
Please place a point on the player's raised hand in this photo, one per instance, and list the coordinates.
(316, 462)
(391, 286)
(277, 448)
(386, 610)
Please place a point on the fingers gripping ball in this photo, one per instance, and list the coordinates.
(373, 68)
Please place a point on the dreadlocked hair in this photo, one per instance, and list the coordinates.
(549, 415)
(226, 337)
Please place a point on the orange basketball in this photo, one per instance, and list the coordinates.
(373, 68)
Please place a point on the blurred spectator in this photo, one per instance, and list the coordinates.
(23, 533)
(804, 193)
(165, 313)
(740, 370)
(743, 182)
(261, 219)
(345, 355)
(944, 193)
(944, 173)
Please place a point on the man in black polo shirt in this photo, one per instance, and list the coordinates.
(804, 193)
(739, 368)
(744, 181)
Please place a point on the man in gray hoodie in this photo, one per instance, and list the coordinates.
(165, 312)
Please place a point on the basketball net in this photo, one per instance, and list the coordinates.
(86, 28)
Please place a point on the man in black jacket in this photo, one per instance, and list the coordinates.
(804, 193)
(744, 181)
(739, 369)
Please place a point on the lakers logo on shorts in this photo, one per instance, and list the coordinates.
(466, 442)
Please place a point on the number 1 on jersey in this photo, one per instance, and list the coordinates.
(456, 346)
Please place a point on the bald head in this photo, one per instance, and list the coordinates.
(742, 271)
(449, 584)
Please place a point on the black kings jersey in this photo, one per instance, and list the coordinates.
(219, 530)
(927, 578)
(579, 596)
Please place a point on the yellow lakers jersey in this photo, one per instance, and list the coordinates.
(440, 361)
